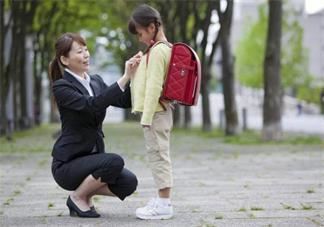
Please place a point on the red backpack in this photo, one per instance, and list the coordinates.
(183, 78)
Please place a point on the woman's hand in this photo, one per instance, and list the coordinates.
(131, 65)
(130, 69)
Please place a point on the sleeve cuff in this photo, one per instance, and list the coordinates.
(121, 88)
(146, 121)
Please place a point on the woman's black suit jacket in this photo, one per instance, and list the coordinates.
(82, 115)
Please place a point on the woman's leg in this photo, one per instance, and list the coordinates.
(103, 190)
(87, 174)
(82, 194)
(125, 185)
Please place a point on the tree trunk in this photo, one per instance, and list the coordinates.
(229, 88)
(184, 13)
(205, 102)
(6, 42)
(12, 72)
(27, 86)
(2, 82)
(228, 70)
(131, 117)
(272, 85)
(20, 65)
(176, 116)
(38, 89)
(205, 73)
(15, 70)
(30, 98)
(187, 117)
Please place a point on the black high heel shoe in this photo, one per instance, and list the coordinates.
(76, 212)
(92, 208)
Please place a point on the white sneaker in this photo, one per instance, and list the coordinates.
(154, 210)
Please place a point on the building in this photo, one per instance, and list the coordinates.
(246, 11)
(314, 42)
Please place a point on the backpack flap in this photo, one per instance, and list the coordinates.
(182, 83)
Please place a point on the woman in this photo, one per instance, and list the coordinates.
(156, 114)
(80, 163)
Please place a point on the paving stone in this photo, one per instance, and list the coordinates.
(218, 186)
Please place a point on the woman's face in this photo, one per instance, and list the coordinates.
(145, 35)
(78, 59)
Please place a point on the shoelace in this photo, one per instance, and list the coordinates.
(152, 207)
(152, 203)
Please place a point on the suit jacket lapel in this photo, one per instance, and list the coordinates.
(95, 86)
(75, 82)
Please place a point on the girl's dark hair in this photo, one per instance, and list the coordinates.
(62, 48)
(142, 16)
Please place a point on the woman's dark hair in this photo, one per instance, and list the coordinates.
(142, 16)
(62, 48)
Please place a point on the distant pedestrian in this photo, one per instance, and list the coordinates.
(322, 101)
(299, 108)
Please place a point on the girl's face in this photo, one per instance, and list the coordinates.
(78, 59)
(145, 35)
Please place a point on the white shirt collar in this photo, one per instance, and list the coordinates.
(84, 81)
(87, 77)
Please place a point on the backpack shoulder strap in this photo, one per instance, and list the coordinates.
(165, 42)
(147, 59)
(155, 44)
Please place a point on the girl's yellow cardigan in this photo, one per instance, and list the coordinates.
(146, 87)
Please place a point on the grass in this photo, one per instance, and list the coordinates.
(195, 210)
(17, 192)
(207, 225)
(251, 215)
(219, 216)
(128, 136)
(256, 208)
(8, 201)
(38, 139)
(310, 191)
(287, 207)
(251, 137)
(306, 206)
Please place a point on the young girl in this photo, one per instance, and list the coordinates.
(156, 114)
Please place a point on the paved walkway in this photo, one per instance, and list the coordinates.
(215, 185)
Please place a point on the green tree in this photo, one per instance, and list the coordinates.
(251, 49)
(41, 22)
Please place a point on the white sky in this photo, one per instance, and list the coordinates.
(312, 6)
